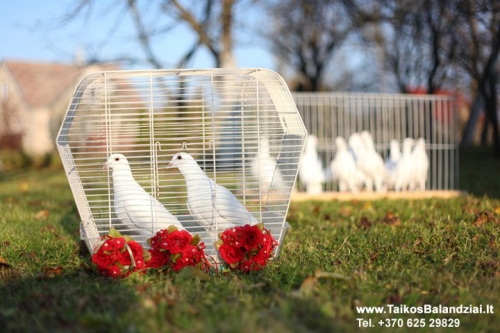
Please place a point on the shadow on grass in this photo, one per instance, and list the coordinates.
(75, 303)
(480, 172)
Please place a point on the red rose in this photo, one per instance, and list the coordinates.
(231, 254)
(158, 259)
(251, 237)
(114, 272)
(268, 243)
(101, 259)
(117, 243)
(260, 259)
(178, 240)
(247, 266)
(232, 236)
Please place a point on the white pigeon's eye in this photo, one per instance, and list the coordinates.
(117, 159)
(179, 157)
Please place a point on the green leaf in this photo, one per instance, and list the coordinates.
(114, 233)
(171, 229)
(218, 244)
(196, 240)
(127, 238)
(174, 257)
(146, 255)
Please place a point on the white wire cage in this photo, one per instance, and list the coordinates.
(240, 125)
(386, 117)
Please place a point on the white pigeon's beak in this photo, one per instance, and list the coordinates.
(105, 166)
(171, 165)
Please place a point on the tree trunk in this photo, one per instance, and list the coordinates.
(491, 110)
(470, 127)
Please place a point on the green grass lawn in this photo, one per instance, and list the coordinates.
(337, 256)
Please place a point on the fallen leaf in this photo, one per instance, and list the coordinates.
(6, 269)
(373, 256)
(364, 223)
(24, 186)
(52, 271)
(391, 219)
(367, 206)
(492, 243)
(345, 211)
(49, 228)
(42, 214)
(307, 287)
(483, 217)
(497, 210)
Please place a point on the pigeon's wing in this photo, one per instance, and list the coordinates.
(229, 208)
(147, 213)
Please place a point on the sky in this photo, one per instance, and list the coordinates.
(28, 33)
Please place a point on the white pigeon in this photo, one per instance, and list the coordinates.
(344, 169)
(371, 164)
(392, 163)
(357, 149)
(133, 206)
(311, 172)
(212, 205)
(421, 164)
(264, 168)
(404, 169)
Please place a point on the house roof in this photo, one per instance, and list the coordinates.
(42, 84)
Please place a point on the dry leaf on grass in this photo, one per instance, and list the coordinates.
(42, 214)
(391, 219)
(6, 269)
(483, 217)
(364, 223)
(309, 285)
(52, 271)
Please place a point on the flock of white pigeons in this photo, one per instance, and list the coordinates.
(357, 166)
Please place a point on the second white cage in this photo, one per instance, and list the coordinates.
(241, 126)
(386, 117)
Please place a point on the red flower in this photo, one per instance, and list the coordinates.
(176, 248)
(231, 236)
(178, 240)
(246, 248)
(158, 259)
(118, 256)
(251, 237)
(231, 254)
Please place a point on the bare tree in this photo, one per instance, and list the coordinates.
(211, 21)
(304, 34)
(412, 37)
(478, 31)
